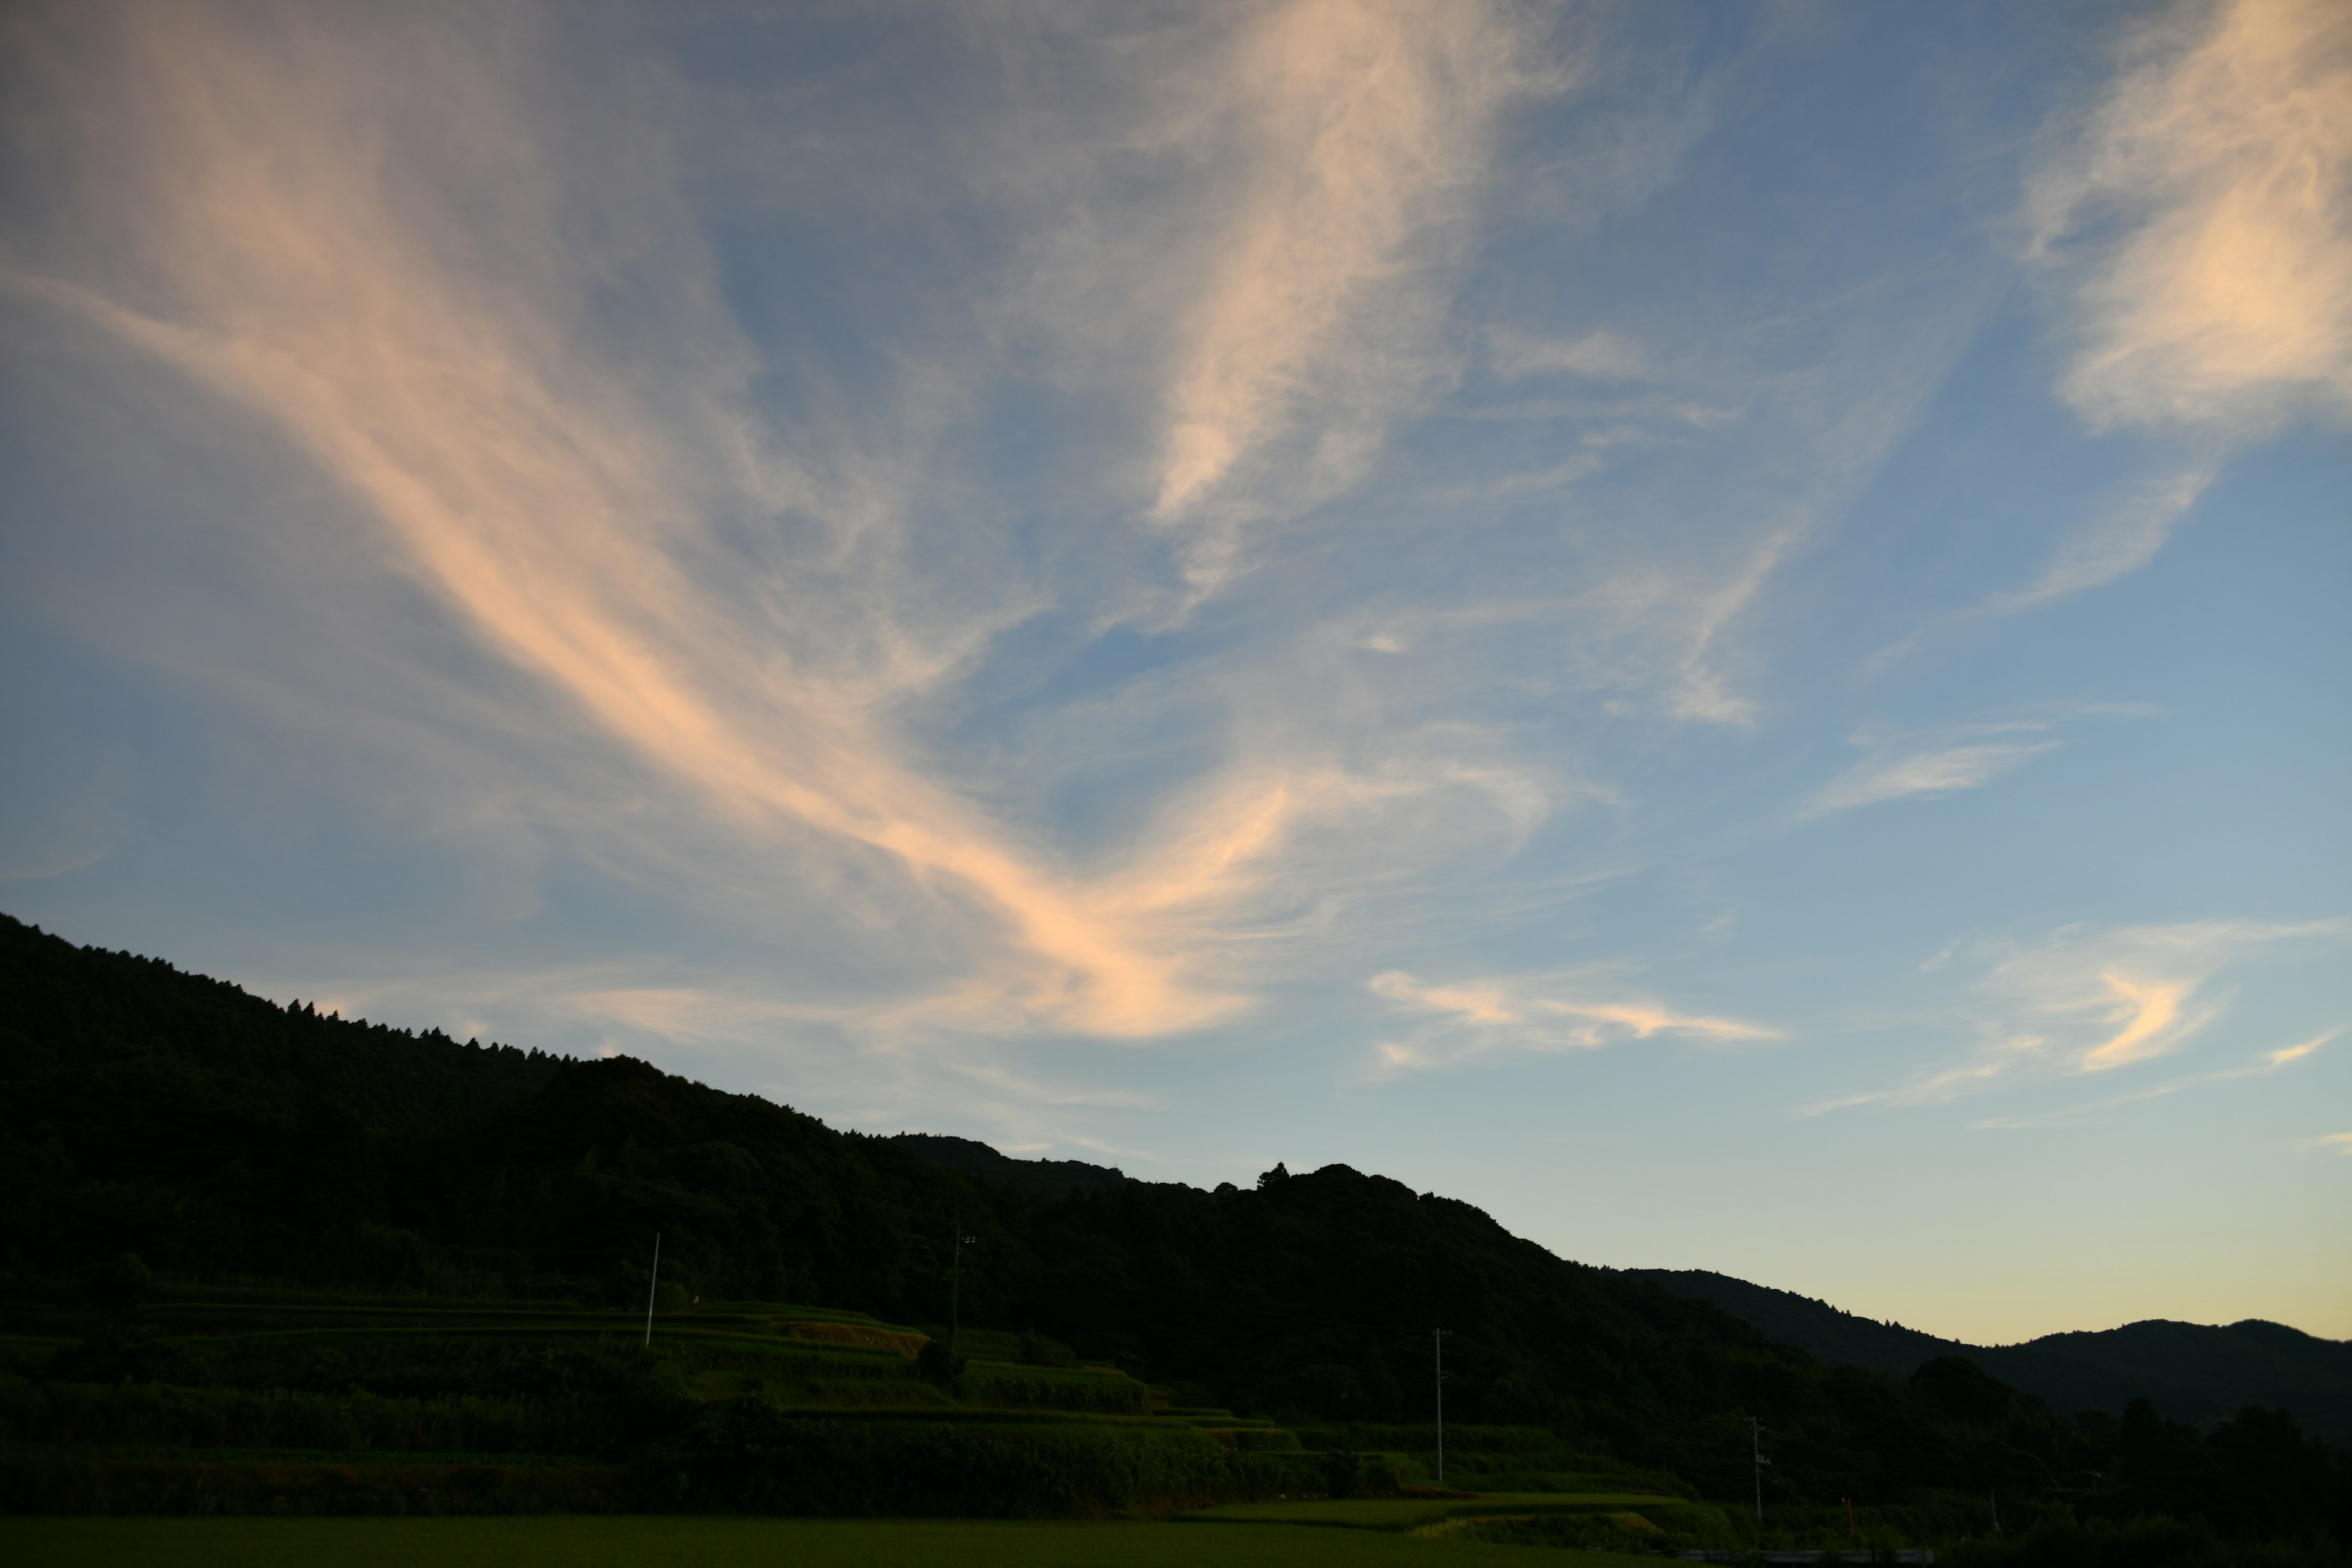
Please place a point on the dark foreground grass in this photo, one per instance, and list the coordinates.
(1410, 1513)
(645, 1541)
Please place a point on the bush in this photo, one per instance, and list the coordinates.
(939, 1364)
(1037, 1350)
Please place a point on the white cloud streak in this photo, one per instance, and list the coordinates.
(1942, 759)
(2220, 161)
(1366, 128)
(1923, 772)
(2083, 1003)
(2115, 541)
(2272, 1060)
(2117, 538)
(2109, 1001)
(2268, 1063)
(1472, 1018)
(1596, 356)
(2200, 222)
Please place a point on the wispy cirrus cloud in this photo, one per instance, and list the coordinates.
(2107, 1001)
(448, 377)
(1940, 760)
(1893, 774)
(2204, 216)
(2118, 538)
(1364, 127)
(2268, 1062)
(2198, 222)
(2114, 541)
(752, 618)
(1601, 354)
(1470, 1018)
(2271, 1060)
(2085, 1002)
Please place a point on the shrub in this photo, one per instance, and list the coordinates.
(938, 1363)
(1037, 1350)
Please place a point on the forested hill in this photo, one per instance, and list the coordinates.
(1045, 1180)
(1831, 1336)
(2192, 1372)
(158, 1128)
(195, 1050)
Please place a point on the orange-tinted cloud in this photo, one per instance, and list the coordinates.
(2084, 1002)
(2224, 149)
(282, 263)
(2150, 1015)
(1477, 1017)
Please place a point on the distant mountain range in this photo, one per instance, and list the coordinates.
(2190, 1372)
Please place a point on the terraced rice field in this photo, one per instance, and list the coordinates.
(653, 1542)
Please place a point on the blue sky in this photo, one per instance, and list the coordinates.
(1717, 628)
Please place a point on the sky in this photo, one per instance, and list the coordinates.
(1717, 628)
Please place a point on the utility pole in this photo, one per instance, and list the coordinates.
(1755, 1438)
(1437, 1337)
(653, 1285)
(955, 1286)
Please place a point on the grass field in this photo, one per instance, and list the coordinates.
(1408, 1513)
(636, 1541)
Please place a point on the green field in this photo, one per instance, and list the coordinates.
(1413, 1514)
(638, 1542)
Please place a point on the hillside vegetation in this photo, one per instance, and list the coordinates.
(409, 1271)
